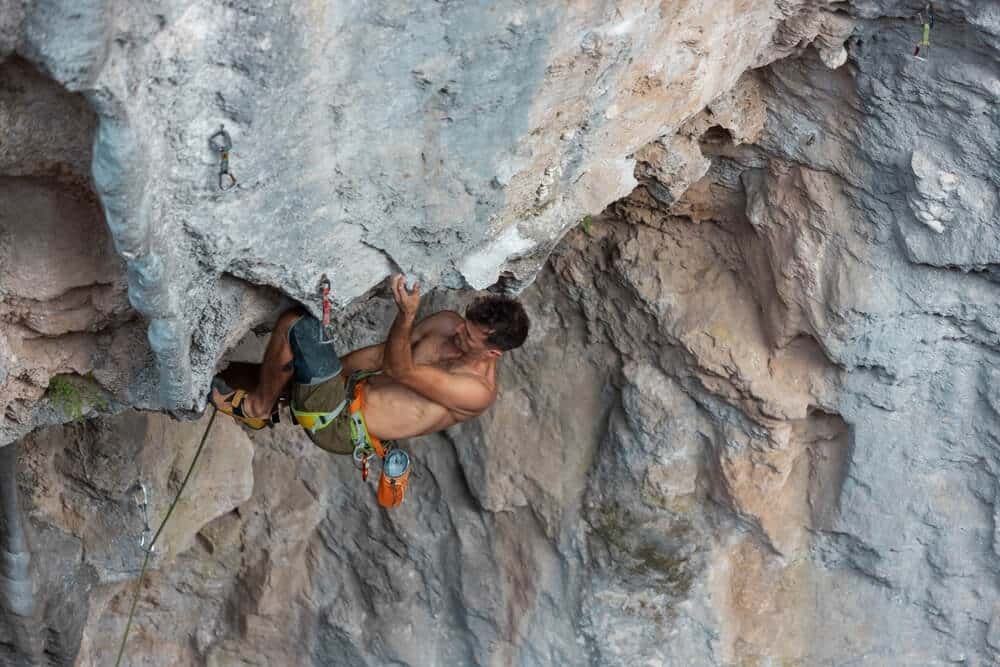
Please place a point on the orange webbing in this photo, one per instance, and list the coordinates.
(358, 405)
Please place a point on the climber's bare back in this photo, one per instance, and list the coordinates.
(394, 411)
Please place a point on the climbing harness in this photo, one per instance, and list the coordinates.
(395, 462)
(395, 473)
(149, 552)
(927, 18)
(365, 446)
(222, 144)
(326, 331)
(314, 422)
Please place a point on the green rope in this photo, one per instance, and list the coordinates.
(149, 551)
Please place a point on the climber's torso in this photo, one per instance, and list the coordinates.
(394, 411)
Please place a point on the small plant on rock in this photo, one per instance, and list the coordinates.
(73, 395)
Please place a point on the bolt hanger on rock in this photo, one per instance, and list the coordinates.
(221, 143)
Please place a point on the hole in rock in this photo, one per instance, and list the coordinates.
(53, 237)
(507, 283)
(717, 136)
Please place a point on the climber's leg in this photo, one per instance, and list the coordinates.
(278, 366)
(275, 370)
(364, 359)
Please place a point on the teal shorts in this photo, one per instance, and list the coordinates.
(314, 359)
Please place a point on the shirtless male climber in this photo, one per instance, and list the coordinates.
(428, 375)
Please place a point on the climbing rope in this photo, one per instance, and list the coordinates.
(222, 144)
(149, 551)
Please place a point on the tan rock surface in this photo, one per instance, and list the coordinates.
(756, 420)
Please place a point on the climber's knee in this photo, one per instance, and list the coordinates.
(287, 320)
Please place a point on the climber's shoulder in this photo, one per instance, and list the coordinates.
(441, 323)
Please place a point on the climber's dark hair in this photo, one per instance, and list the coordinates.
(504, 316)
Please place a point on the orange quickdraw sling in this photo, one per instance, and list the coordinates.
(395, 462)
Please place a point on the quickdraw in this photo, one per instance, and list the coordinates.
(927, 18)
(221, 143)
(326, 331)
(365, 447)
(143, 502)
(163, 524)
(361, 457)
(363, 450)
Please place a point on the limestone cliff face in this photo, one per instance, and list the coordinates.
(458, 141)
(755, 423)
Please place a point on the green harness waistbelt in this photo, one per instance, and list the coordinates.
(315, 422)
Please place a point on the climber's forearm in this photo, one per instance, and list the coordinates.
(398, 357)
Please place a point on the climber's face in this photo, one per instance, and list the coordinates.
(470, 338)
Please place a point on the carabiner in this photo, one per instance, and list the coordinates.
(326, 294)
(144, 505)
(221, 143)
(232, 181)
(361, 456)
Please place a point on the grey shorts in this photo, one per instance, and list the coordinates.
(315, 361)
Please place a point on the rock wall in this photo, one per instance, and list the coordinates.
(456, 141)
(755, 423)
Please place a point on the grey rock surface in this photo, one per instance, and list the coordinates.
(456, 141)
(757, 419)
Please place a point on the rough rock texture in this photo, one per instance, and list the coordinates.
(455, 140)
(756, 422)
(82, 496)
(60, 280)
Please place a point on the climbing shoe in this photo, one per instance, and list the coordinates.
(230, 402)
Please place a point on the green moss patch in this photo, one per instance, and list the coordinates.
(73, 395)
